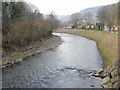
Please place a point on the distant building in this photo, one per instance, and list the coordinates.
(68, 27)
(106, 28)
(84, 23)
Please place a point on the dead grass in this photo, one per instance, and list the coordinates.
(107, 43)
(24, 52)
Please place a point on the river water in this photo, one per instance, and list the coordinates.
(70, 65)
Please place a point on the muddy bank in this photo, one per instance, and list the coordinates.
(34, 49)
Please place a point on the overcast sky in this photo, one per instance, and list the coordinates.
(67, 7)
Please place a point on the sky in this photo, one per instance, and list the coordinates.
(67, 7)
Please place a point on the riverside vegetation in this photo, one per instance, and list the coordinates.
(23, 25)
(108, 46)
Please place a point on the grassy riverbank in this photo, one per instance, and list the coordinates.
(34, 48)
(107, 43)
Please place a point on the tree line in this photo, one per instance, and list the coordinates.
(108, 15)
(79, 19)
(22, 23)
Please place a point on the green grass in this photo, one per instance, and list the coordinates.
(107, 43)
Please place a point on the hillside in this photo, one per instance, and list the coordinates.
(64, 18)
(92, 10)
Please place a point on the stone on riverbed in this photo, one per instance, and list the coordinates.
(106, 80)
(109, 85)
(97, 74)
(18, 60)
(111, 77)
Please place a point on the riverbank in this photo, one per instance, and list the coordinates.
(107, 43)
(35, 48)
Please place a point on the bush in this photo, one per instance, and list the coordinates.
(23, 26)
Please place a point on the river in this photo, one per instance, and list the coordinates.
(70, 65)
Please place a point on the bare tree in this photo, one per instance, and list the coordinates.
(75, 18)
(88, 17)
(108, 15)
(53, 20)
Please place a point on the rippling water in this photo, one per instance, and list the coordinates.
(70, 65)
